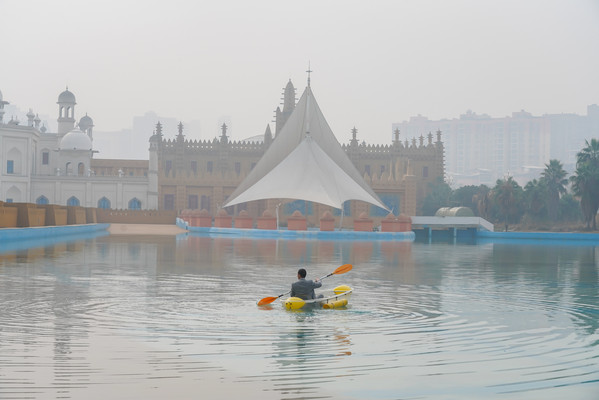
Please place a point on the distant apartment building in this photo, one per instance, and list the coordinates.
(480, 149)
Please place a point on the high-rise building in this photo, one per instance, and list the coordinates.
(480, 149)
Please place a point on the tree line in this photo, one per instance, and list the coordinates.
(553, 199)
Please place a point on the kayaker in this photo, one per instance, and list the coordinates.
(304, 289)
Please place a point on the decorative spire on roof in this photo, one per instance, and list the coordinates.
(354, 138)
(268, 135)
(180, 136)
(223, 136)
(396, 135)
(159, 129)
(30, 117)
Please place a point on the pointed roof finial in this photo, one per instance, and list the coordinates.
(309, 71)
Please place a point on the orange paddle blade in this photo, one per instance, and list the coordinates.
(343, 269)
(267, 300)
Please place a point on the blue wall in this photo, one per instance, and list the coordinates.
(41, 232)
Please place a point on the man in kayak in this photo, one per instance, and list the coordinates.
(304, 289)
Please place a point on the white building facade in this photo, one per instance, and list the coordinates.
(57, 168)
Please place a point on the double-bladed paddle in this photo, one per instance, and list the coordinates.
(340, 270)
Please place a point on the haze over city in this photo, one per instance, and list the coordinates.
(374, 63)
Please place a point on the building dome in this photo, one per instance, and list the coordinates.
(66, 97)
(75, 140)
(85, 122)
(87, 119)
(0, 95)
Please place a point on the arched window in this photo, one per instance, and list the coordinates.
(13, 195)
(81, 169)
(68, 169)
(73, 201)
(42, 200)
(134, 204)
(104, 203)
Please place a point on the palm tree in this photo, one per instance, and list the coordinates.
(535, 195)
(589, 154)
(584, 185)
(554, 178)
(507, 194)
(585, 181)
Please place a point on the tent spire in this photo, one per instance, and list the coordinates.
(309, 71)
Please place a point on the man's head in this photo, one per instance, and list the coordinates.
(301, 273)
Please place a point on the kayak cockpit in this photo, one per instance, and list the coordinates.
(337, 299)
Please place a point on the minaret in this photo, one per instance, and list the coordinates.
(155, 143)
(396, 140)
(66, 112)
(288, 107)
(2, 103)
(440, 155)
(30, 117)
(86, 124)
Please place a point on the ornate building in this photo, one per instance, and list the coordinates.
(44, 167)
(59, 168)
(202, 174)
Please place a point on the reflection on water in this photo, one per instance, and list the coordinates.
(171, 317)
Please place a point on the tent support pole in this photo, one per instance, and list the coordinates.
(277, 212)
(341, 219)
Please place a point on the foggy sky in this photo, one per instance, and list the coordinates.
(374, 62)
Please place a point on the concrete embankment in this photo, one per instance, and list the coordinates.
(43, 232)
(561, 236)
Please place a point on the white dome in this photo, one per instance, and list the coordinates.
(75, 140)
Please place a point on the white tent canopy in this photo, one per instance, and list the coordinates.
(305, 162)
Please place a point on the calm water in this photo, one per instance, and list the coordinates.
(164, 317)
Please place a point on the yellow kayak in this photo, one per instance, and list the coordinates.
(337, 299)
